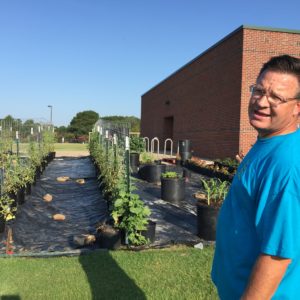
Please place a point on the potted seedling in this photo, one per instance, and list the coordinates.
(209, 202)
(172, 187)
(130, 215)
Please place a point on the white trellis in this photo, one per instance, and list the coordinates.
(147, 143)
(153, 144)
(165, 146)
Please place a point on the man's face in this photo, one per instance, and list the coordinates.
(270, 120)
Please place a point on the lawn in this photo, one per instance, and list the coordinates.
(176, 273)
(70, 147)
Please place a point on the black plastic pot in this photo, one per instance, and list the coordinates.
(151, 172)
(21, 196)
(173, 189)
(184, 150)
(149, 233)
(185, 156)
(134, 161)
(207, 221)
(14, 197)
(110, 239)
(28, 189)
(52, 155)
(187, 174)
(184, 146)
(2, 224)
(38, 172)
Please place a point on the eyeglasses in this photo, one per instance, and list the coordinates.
(258, 92)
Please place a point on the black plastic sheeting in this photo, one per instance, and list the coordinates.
(34, 229)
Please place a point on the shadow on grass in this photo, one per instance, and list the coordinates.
(10, 297)
(107, 280)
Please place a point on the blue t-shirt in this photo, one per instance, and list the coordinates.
(261, 214)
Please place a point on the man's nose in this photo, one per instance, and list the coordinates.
(263, 101)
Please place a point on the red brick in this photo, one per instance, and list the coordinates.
(208, 97)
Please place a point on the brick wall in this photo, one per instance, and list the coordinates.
(208, 98)
(259, 46)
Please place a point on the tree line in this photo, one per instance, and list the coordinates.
(80, 126)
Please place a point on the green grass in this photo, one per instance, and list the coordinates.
(70, 147)
(177, 273)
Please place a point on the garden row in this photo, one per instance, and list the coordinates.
(19, 171)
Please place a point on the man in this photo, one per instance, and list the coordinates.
(258, 233)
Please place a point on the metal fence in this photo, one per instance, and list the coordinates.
(16, 140)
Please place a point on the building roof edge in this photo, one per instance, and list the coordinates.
(221, 41)
(271, 29)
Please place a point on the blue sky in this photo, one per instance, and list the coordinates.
(102, 55)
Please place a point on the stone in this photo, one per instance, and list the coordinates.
(47, 198)
(80, 181)
(84, 239)
(62, 178)
(59, 217)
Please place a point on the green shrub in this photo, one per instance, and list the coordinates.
(137, 144)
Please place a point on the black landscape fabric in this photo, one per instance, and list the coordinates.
(34, 230)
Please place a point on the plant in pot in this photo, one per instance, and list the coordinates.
(48, 138)
(19, 175)
(151, 170)
(13, 185)
(137, 146)
(7, 211)
(172, 187)
(35, 157)
(130, 215)
(26, 175)
(209, 202)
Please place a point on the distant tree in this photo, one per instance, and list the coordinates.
(133, 121)
(61, 129)
(27, 125)
(9, 119)
(83, 123)
(9, 122)
(62, 132)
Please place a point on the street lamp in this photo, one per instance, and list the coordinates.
(50, 106)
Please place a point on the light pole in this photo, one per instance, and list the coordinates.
(50, 106)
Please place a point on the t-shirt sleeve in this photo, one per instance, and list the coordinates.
(279, 225)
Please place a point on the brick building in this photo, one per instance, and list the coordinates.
(206, 100)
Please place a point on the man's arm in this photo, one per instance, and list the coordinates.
(266, 275)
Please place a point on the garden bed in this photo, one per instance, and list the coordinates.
(208, 171)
